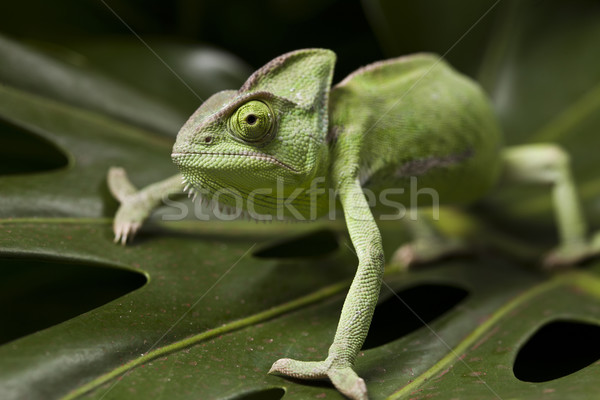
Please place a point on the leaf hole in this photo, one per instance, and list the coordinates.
(267, 394)
(22, 152)
(409, 310)
(37, 294)
(557, 349)
(314, 244)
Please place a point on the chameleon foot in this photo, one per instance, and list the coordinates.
(343, 378)
(422, 251)
(125, 230)
(136, 205)
(130, 215)
(568, 255)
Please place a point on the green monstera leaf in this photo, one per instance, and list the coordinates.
(201, 309)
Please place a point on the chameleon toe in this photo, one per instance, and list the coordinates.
(299, 369)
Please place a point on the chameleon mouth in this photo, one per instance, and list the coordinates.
(253, 155)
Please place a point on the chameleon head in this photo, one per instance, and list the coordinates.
(264, 141)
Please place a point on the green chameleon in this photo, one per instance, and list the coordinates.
(263, 147)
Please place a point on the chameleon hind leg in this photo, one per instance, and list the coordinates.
(429, 243)
(549, 164)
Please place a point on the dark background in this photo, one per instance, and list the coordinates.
(358, 31)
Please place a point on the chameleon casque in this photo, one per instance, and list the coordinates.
(286, 128)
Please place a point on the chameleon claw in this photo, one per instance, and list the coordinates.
(134, 228)
(124, 239)
(118, 230)
(127, 232)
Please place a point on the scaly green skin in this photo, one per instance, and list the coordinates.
(285, 141)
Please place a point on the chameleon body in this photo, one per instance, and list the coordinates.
(286, 140)
(374, 126)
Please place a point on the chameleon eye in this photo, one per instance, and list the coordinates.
(252, 121)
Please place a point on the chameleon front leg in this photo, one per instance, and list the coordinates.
(549, 164)
(358, 308)
(136, 205)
